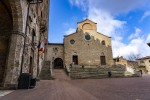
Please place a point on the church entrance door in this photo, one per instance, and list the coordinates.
(103, 60)
(58, 63)
(75, 59)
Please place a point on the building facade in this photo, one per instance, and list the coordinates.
(23, 25)
(131, 66)
(144, 64)
(84, 47)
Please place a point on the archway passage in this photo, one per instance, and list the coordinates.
(6, 26)
(58, 63)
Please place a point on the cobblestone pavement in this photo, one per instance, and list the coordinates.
(86, 89)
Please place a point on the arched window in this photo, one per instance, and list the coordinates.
(103, 42)
(33, 37)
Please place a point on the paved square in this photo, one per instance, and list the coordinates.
(62, 88)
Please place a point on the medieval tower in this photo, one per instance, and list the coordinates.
(23, 39)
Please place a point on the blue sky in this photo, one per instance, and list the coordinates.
(126, 21)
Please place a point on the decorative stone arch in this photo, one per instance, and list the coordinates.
(58, 63)
(87, 26)
(102, 54)
(16, 37)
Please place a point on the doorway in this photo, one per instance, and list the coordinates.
(102, 60)
(58, 63)
(75, 59)
(31, 65)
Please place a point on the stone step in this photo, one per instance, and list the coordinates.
(45, 73)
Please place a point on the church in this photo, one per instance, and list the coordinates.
(85, 47)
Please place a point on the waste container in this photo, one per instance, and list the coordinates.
(33, 82)
(24, 81)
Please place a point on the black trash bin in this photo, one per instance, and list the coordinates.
(33, 82)
(24, 81)
(109, 74)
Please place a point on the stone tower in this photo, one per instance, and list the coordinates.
(23, 38)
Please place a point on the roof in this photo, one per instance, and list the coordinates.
(147, 57)
(69, 34)
(103, 35)
(55, 44)
(85, 20)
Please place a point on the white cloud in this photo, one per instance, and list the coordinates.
(148, 38)
(79, 3)
(111, 6)
(104, 11)
(146, 14)
(118, 6)
(136, 34)
(137, 45)
(70, 31)
(106, 24)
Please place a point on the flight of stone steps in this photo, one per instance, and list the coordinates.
(45, 73)
(77, 72)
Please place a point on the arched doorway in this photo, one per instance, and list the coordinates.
(6, 25)
(58, 63)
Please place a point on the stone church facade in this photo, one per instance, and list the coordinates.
(84, 47)
(23, 25)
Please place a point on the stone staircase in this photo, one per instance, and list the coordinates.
(60, 74)
(45, 73)
(77, 72)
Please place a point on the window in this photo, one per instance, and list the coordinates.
(72, 41)
(87, 37)
(33, 37)
(41, 14)
(103, 42)
(149, 61)
(117, 60)
(142, 61)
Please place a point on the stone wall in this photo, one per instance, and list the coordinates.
(55, 51)
(144, 64)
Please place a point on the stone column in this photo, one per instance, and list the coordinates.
(14, 59)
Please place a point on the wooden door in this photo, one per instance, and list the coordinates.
(103, 60)
(75, 59)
